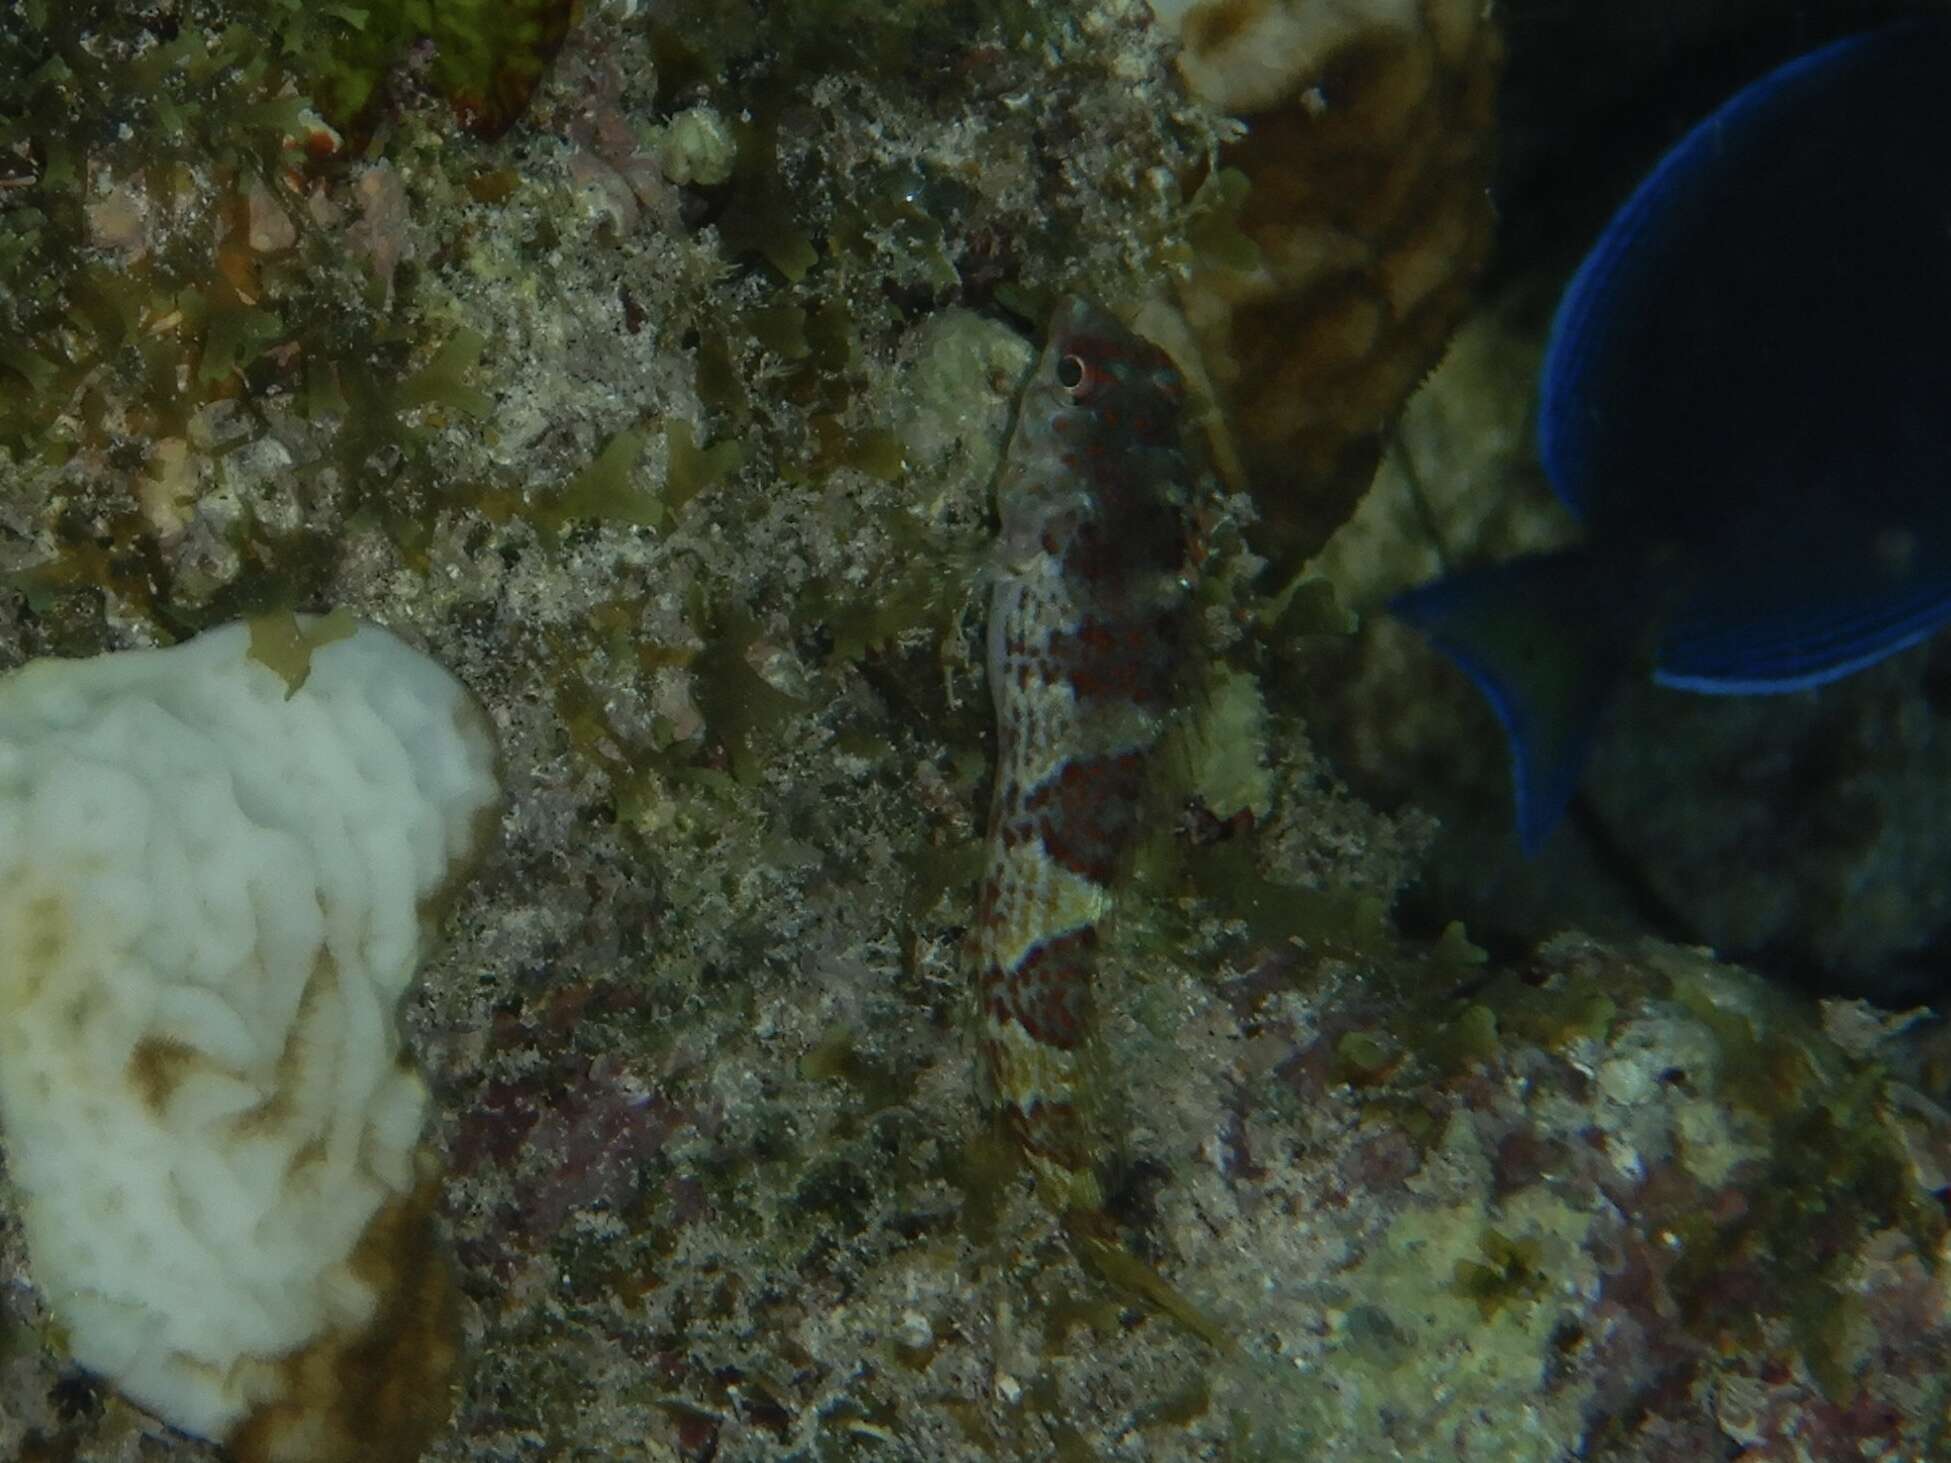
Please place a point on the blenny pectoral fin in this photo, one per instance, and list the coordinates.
(1546, 639)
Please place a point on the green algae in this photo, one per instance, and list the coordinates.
(182, 158)
(1229, 876)
(939, 871)
(1820, 1171)
(696, 39)
(741, 708)
(608, 487)
(874, 451)
(1480, 1339)
(1213, 234)
(1128, 1275)
(1221, 756)
(1826, 1171)
(1835, 1175)
(837, 1057)
(282, 643)
(1508, 1273)
(916, 599)
(1453, 947)
(74, 115)
(782, 330)
(899, 214)
(1469, 1038)
(982, 1172)
(446, 379)
(488, 55)
(759, 217)
(1765, 1069)
(1177, 1409)
(1566, 1011)
(692, 468)
(1364, 1057)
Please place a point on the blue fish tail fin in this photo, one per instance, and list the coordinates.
(1546, 639)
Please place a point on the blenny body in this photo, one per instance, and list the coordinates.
(1088, 628)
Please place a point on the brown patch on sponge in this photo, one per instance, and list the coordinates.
(157, 1067)
(378, 1394)
(1367, 155)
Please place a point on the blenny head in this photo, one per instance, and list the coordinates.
(1096, 443)
(1096, 371)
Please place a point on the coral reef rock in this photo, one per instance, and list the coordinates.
(1349, 221)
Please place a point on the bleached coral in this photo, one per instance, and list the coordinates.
(218, 865)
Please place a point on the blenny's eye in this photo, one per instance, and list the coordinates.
(1071, 372)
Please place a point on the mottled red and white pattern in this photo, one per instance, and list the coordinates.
(1087, 631)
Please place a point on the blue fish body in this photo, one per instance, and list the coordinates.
(1746, 398)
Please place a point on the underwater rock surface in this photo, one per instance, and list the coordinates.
(680, 463)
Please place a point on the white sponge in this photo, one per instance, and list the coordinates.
(216, 882)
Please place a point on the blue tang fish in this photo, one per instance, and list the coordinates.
(1746, 399)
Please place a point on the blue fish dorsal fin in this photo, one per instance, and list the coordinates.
(1817, 610)
(1546, 640)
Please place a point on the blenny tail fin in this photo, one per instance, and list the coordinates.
(1094, 1236)
(1546, 639)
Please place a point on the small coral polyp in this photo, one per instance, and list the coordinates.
(218, 864)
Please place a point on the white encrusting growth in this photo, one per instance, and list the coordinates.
(216, 883)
